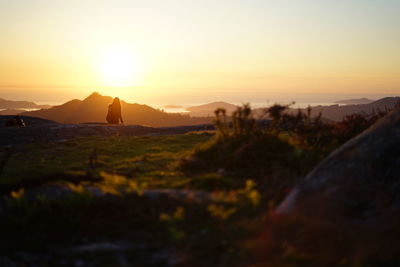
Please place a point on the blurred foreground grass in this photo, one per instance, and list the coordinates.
(204, 231)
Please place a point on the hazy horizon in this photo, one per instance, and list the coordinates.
(188, 100)
(301, 100)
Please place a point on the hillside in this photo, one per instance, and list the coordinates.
(337, 112)
(10, 104)
(208, 109)
(357, 101)
(94, 109)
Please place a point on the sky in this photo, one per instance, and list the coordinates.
(192, 51)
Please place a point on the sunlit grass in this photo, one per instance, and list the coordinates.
(144, 158)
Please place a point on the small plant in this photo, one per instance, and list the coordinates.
(242, 124)
(172, 221)
(221, 123)
(242, 121)
(93, 159)
(220, 212)
(118, 185)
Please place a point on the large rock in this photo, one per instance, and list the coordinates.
(359, 182)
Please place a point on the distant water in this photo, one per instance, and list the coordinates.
(23, 109)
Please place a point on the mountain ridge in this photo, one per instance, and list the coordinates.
(12, 104)
(337, 112)
(355, 101)
(94, 109)
(209, 108)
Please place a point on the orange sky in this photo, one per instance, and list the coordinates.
(146, 49)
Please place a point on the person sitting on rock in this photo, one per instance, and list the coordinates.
(114, 112)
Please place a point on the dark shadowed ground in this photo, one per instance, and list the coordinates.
(40, 130)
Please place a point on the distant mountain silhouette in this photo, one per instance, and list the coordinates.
(10, 104)
(208, 109)
(94, 109)
(337, 112)
(356, 101)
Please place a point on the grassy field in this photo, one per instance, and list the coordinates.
(198, 230)
(134, 157)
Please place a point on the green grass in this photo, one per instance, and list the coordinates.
(137, 157)
(203, 231)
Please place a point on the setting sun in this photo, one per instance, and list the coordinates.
(119, 68)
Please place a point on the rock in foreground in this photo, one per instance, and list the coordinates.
(347, 211)
(359, 181)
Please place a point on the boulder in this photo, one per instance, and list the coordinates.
(359, 182)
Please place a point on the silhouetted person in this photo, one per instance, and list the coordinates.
(114, 112)
(17, 121)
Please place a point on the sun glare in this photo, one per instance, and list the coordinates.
(119, 68)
